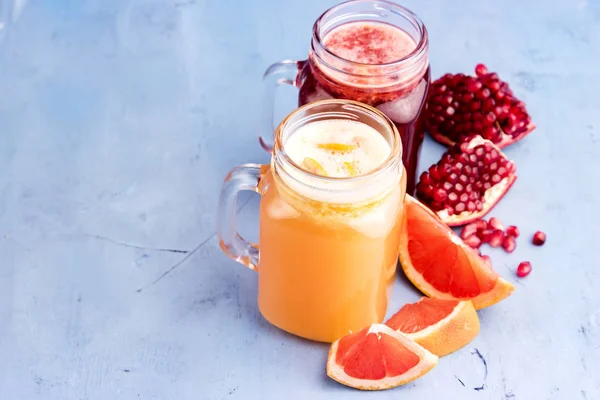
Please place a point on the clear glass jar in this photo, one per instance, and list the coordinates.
(328, 247)
(398, 88)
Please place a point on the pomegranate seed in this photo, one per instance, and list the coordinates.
(496, 224)
(473, 241)
(539, 238)
(474, 86)
(509, 244)
(494, 86)
(487, 259)
(481, 224)
(523, 269)
(426, 190)
(453, 198)
(486, 235)
(513, 231)
(468, 230)
(481, 70)
(483, 94)
(496, 238)
(440, 195)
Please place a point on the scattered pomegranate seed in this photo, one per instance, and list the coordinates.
(469, 230)
(513, 231)
(487, 259)
(509, 244)
(539, 238)
(496, 238)
(473, 242)
(496, 224)
(485, 235)
(481, 224)
(523, 269)
(461, 106)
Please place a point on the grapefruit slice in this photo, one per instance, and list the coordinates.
(441, 326)
(441, 265)
(376, 358)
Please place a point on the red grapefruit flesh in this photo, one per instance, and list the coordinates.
(376, 358)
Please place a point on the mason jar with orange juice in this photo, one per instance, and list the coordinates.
(331, 214)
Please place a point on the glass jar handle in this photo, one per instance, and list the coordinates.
(242, 177)
(282, 72)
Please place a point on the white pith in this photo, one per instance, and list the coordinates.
(427, 331)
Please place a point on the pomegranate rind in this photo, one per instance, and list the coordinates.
(427, 361)
(441, 139)
(501, 290)
(451, 333)
(491, 197)
(506, 141)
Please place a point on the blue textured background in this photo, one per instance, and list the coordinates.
(118, 122)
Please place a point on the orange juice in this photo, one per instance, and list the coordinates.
(330, 222)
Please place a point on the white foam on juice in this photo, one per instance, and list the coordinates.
(343, 148)
(335, 145)
(369, 42)
(364, 54)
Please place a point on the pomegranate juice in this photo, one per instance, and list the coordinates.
(370, 62)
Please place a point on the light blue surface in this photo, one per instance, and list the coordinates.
(118, 122)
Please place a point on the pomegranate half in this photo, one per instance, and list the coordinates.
(462, 106)
(467, 182)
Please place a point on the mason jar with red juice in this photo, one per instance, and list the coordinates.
(371, 51)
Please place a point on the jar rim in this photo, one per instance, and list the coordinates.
(417, 53)
(344, 109)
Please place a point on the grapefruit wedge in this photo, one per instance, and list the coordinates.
(441, 326)
(376, 358)
(441, 265)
